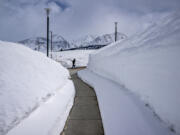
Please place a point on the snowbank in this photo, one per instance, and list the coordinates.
(28, 81)
(122, 112)
(147, 65)
(66, 57)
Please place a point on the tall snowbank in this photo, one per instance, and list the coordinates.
(27, 80)
(147, 65)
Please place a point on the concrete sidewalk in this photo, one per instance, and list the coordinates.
(84, 118)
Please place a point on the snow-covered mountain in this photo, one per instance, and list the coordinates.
(83, 41)
(91, 40)
(86, 42)
(39, 43)
(107, 39)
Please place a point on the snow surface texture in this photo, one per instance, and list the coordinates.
(66, 57)
(147, 65)
(50, 117)
(121, 111)
(31, 87)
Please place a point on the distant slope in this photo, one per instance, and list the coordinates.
(39, 43)
(107, 39)
(90, 40)
(95, 42)
(59, 43)
(83, 41)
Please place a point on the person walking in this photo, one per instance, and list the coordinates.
(73, 63)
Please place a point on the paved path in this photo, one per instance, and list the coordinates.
(84, 118)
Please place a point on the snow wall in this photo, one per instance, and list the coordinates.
(27, 80)
(147, 64)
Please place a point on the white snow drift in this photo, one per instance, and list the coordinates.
(35, 92)
(146, 64)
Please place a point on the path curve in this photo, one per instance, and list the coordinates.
(84, 118)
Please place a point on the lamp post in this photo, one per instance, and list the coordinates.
(47, 13)
(51, 44)
(115, 31)
(38, 45)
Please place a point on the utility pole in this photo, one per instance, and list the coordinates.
(115, 31)
(51, 44)
(47, 13)
(38, 45)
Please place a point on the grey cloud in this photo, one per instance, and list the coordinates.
(73, 18)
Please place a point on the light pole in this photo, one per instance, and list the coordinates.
(51, 44)
(38, 45)
(115, 31)
(47, 13)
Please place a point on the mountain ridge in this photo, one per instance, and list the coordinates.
(60, 43)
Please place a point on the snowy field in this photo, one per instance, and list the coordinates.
(66, 57)
(145, 67)
(35, 92)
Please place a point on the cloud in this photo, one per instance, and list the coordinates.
(54, 7)
(60, 3)
(73, 18)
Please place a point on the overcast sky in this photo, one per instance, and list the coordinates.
(21, 19)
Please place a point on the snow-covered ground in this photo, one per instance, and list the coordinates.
(35, 92)
(66, 57)
(145, 65)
